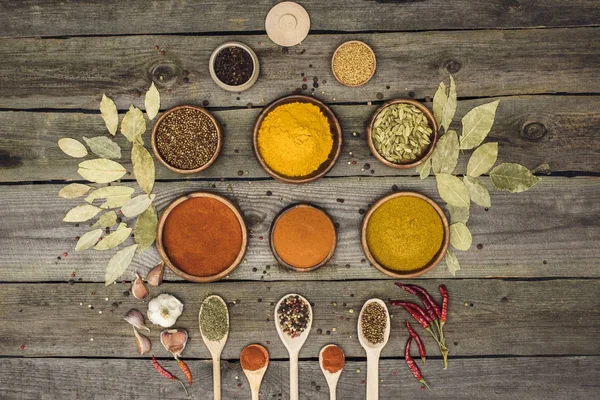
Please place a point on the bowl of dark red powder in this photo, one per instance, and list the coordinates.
(187, 139)
(234, 66)
(202, 237)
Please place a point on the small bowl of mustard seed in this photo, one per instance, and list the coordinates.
(187, 139)
(234, 66)
(353, 63)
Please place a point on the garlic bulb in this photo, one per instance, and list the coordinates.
(135, 318)
(164, 310)
(174, 340)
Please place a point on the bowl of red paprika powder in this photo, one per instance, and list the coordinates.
(202, 237)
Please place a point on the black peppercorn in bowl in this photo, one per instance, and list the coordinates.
(234, 66)
(187, 139)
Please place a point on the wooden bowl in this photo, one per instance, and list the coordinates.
(244, 86)
(374, 63)
(187, 171)
(276, 255)
(414, 273)
(432, 124)
(163, 253)
(336, 131)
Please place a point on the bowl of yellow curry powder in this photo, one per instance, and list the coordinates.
(405, 234)
(297, 139)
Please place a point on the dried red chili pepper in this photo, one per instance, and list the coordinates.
(415, 311)
(420, 344)
(186, 370)
(433, 309)
(166, 373)
(412, 365)
(444, 293)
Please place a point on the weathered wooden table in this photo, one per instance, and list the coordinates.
(525, 315)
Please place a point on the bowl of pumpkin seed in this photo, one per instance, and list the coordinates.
(402, 133)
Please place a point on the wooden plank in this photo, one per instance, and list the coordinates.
(56, 18)
(487, 317)
(478, 378)
(73, 73)
(531, 130)
(549, 231)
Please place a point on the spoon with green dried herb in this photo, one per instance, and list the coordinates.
(214, 327)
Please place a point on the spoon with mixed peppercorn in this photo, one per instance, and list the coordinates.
(293, 320)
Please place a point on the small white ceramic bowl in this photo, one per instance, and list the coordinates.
(253, 77)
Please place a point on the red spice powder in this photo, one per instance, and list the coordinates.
(254, 357)
(333, 359)
(303, 236)
(202, 236)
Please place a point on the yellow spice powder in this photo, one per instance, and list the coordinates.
(404, 233)
(295, 139)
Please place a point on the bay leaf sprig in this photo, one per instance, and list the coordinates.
(103, 170)
(457, 193)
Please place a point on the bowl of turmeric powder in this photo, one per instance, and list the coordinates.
(405, 234)
(297, 139)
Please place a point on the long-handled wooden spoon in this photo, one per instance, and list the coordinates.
(331, 378)
(293, 345)
(215, 348)
(373, 351)
(255, 377)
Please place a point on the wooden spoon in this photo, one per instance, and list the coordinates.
(293, 345)
(373, 351)
(255, 377)
(215, 348)
(331, 378)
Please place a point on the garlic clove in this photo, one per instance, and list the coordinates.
(138, 289)
(136, 318)
(155, 276)
(142, 343)
(174, 340)
(164, 310)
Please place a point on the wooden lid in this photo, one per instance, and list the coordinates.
(287, 23)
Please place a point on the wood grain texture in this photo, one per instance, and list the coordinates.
(549, 231)
(477, 378)
(56, 18)
(487, 317)
(73, 73)
(531, 130)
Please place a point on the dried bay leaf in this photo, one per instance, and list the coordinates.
(107, 220)
(477, 124)
(479, 193)
(73, 191)
(103, 147)
(109, 191)
(452, 262)
(449, 107)
(514, 178)
(445, 155)
(72, 147)
(118, 264)
(452, 190)
(143, 167)
(424, 169)
(439, 102)
(110, 115)
(88, 240)
(82, 213)
(114, 239)
(458, 214)
(115, 201)
(460, 236)
(482, 159)
(145, 228)
(152, 102)
(137, 205)
(101, 170)
(133, 125)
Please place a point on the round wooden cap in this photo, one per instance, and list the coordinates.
(287, 23)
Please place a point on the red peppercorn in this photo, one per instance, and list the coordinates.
(162, 52)
(65, 254)
(155, 47)
(22, 347)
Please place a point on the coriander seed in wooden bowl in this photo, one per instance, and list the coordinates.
(187, 139)
(402, 133)
(353, 63)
